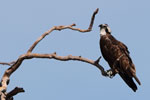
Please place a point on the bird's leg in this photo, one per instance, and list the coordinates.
(111, 73)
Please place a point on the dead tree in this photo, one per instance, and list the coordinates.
(14, 65)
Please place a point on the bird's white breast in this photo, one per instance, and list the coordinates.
(102, 32)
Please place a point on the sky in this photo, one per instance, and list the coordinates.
(22, 22)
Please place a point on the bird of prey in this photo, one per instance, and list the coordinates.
(117, 55)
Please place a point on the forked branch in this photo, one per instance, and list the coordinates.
(29, 55)
(14, 92)
(9, 64)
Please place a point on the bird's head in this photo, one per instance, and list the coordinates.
(104, 29)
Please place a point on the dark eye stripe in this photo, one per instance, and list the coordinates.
(107, 30)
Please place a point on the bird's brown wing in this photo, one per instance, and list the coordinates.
(112, 50)
(127, 64)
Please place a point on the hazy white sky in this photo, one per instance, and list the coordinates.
(22, 22)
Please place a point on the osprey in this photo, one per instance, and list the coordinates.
(117, 55)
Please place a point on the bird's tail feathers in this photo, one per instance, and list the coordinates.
(138, 81)
(129, 81)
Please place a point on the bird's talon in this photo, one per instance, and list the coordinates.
(110, 73)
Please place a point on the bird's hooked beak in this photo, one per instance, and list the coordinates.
(100, 25)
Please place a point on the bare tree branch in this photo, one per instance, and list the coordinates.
(29, 55)
(64, 27)
(14, 92)
(67, 58)
(14, 67)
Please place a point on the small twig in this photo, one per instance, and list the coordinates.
(9, 64)
(96, 63)
(92, 19)
(98, 60)
(14, 92)
(91, 23)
